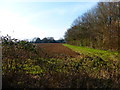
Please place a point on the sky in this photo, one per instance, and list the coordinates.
(26, 20)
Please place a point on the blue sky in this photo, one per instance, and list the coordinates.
(26, 20)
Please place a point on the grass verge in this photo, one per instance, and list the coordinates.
(105, 55)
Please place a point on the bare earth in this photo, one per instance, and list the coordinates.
(55, 50)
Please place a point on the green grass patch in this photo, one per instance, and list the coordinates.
(105, 55)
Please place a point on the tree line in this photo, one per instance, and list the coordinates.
(97, 28)
(8, 40)
(47, 40)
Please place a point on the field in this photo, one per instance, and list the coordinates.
(53, 65)
(45, 51)
(56, 50)
(105, 55)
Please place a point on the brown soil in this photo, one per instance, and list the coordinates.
(55, 50)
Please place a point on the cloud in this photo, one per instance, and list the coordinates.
(17, 26)
(41, 21)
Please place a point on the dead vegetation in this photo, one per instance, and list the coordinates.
(55, 66)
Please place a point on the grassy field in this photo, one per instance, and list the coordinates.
(105, 55)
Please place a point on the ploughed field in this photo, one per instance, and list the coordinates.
(55, 50)
(54, 65)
